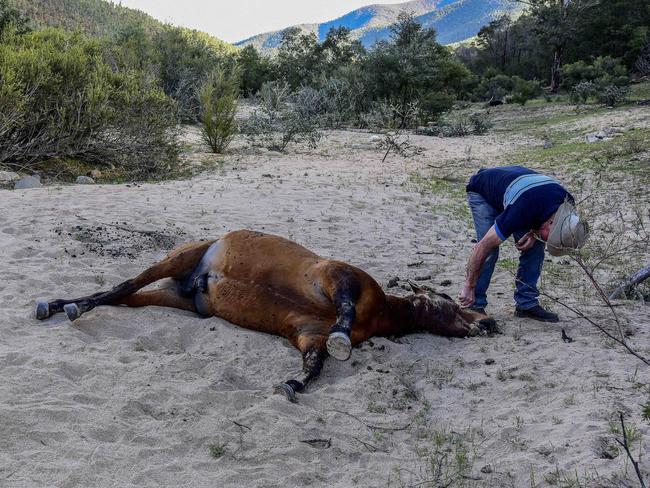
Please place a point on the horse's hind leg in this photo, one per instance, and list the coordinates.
(178, 264)
(313, 355)
(164, 297)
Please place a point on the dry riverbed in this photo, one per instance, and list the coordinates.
(159, 397)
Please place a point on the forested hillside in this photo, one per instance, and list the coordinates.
(93, 17)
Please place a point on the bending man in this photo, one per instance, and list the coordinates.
(536, 210)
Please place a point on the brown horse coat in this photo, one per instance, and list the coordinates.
(271, 284)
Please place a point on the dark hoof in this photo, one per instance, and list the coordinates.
(339, 346)
(287, 391)
(489, 326)
(42, 310)
(72, 310)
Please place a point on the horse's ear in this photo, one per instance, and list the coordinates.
(416, 289)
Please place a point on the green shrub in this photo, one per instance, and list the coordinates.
(186, 58)
(284, 118)
(612, 95)
(218, 97)
(604, 71)
(59, 99)
(582, 92)
(495, 87)
(461, 125)
(524, 90)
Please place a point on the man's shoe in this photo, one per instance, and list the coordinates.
(537, 313)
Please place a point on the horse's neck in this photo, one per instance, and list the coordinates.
(398, 318)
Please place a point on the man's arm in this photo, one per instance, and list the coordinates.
(479, 254)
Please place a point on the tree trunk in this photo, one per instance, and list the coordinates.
(555, 70)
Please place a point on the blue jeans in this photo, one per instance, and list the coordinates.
(530, 262)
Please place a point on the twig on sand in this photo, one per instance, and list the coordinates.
(620, 340)
(241, 425)
(626, 446)
(368, 446)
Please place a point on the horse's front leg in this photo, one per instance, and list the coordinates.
(313, 356)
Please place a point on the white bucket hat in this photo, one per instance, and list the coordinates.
(568, 233)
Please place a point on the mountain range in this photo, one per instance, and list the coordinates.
(454, 20)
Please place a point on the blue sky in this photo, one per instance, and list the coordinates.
(234, 20)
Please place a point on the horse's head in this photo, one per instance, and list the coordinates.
(438, 313)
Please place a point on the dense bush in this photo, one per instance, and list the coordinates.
(284, 118)
(59, 99)
(186, 58)
(612, 95)
(255, 70)
(413, 67)
(494, 87)
(524, 90)
(218, 98)
(604, 71)
(582, 92)
(460, 125)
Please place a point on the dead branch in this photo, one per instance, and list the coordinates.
(611, 336)
(633, 281)
(626, 446)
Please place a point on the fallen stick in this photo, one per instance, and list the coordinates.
(636, 279)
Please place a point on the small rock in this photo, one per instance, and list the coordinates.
(489, 361)
(85, 180)
(28, 182)
(487, 469)
(8, 177)
(445, 283)
(374, 138)
(548, 144)
(95, 174)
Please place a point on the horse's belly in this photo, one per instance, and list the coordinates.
(264, 309)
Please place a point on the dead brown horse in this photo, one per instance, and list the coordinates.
(270, 284)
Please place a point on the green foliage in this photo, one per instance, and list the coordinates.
(187, 57)
(11, 17)
(255, 70)
(494, 87)
(60, 99)
(602, 72)
(284, 118)
(461, 125)
(524, 90)
(218, 97)
(612, 95)
(583, 91)
(298, 58)
(93, 17)
(412, 67)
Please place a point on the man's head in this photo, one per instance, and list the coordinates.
(565, 231)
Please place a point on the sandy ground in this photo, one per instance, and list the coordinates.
(159, 397)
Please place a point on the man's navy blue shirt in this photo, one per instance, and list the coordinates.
(529, 211)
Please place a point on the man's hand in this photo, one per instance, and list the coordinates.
(526, 242)
(466, 296)
(483, 248)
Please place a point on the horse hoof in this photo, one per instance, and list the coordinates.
(287, 391)
(72, 311)
(42, 310)
(489, 326)
(339, 346)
